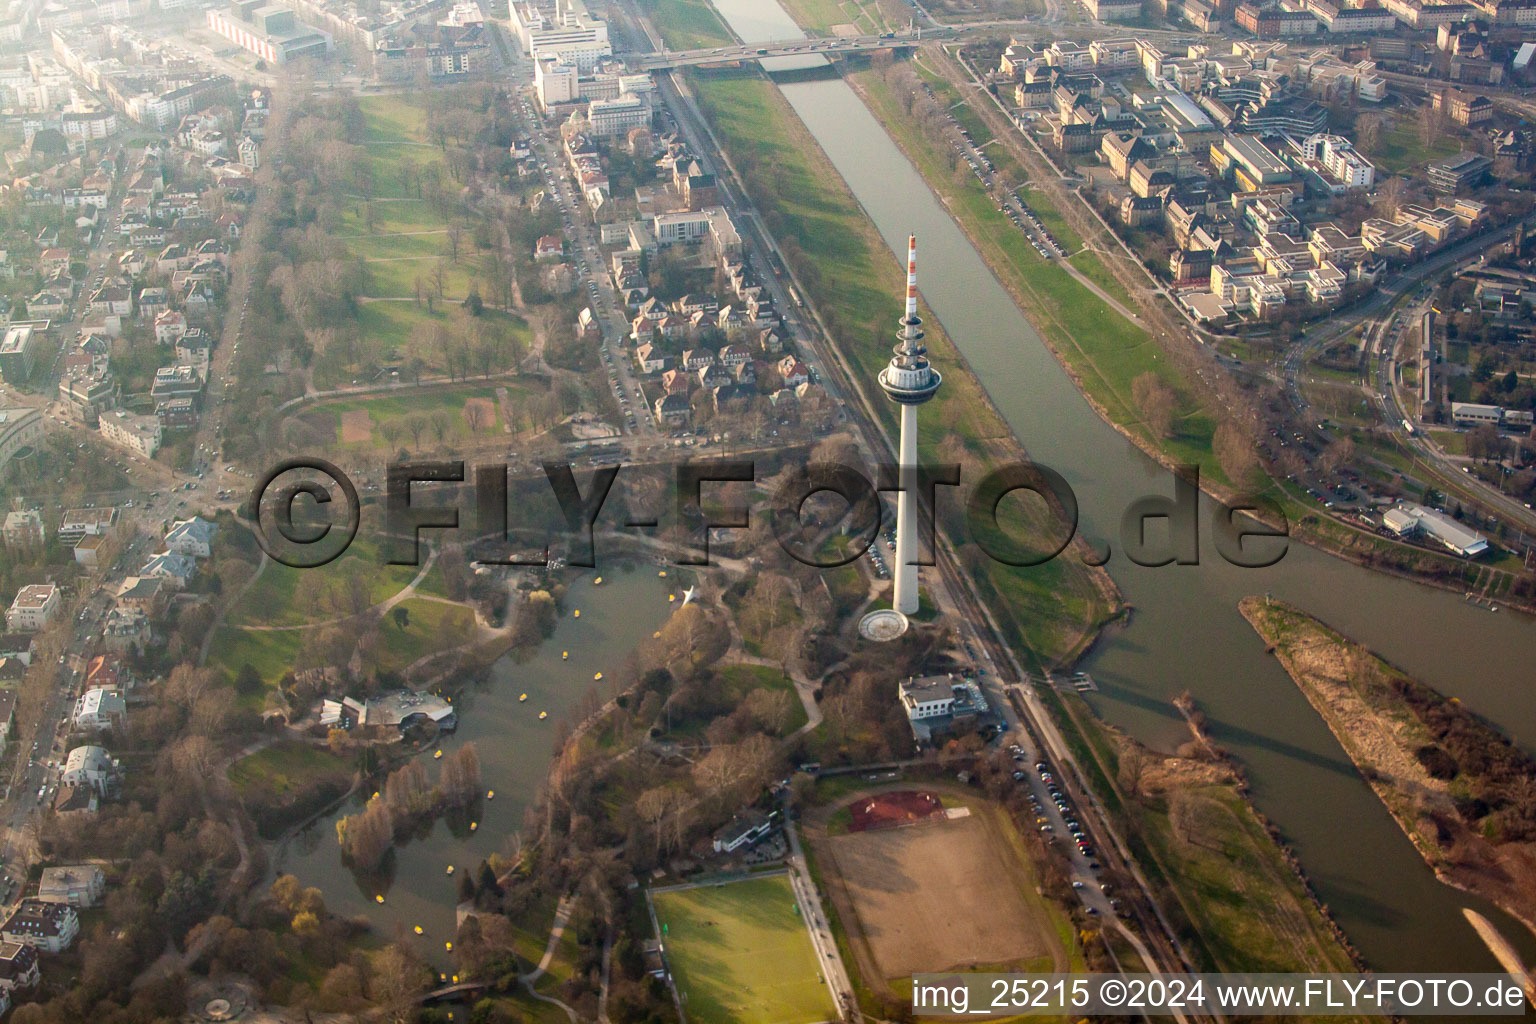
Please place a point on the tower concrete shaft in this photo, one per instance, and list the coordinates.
(909, 381)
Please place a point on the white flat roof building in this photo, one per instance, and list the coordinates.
(33, 608)
(1407, 520)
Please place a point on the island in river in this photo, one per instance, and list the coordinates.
(1462, 792)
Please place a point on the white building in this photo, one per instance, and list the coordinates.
(137, 433)
(618, 115)
(565, 30)
(78, 885)
(24, 529)
(1407, 520)
(192, 537)
(90, 767)
(100, 708)
(34, 608)
(1338, 156)
(50, 927)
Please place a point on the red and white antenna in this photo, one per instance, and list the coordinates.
(911, 276)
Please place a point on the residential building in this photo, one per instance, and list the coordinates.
(618, 115)
(99, 708)
(24, 530)
(18, 351)
(91, 766)
(34, 607)
(140, 434)
(192, 537)
(173, 568)
(45, 926)
(18, 967)
(78, 885)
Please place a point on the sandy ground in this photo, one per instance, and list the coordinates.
(356, 427)
(935, 896)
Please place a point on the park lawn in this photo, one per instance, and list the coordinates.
(276, 598)
(395, 277)
(426, 242)
(393, 410)
(284, 768)
(393, 118)
(688, 24)
(271, 654)
(404, 329)
(389, 218)
(431, 627)
(395, 166)
(741, 955)
(1401, 147)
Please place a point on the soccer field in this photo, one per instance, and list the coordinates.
(741, 954)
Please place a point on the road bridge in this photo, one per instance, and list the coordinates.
(827, 46)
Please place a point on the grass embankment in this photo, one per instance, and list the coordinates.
(741, 954)
(687, 24)
(822, 17)
(1104, 351)
(1208, 856)
(1457, 787)
(854, 282)
(288, 782)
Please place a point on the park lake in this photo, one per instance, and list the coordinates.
(514, 746)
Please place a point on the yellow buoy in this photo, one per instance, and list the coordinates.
(442, 977)
(522, 697)
(436, 754)
(564, 655)
(378, 898)
(448, 946)
(450, 869)
(662, 574)
(490, 794)
(576, 613)
(596, 676)
(543, 715)
(418, 929)
(474, 825)
(455, 979)
(597, 582)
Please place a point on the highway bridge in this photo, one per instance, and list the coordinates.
(827, 46)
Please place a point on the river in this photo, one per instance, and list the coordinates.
(514, 747)
(1186, 632)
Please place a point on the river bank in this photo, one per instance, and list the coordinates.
(1456, 787)
(1103, 370)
